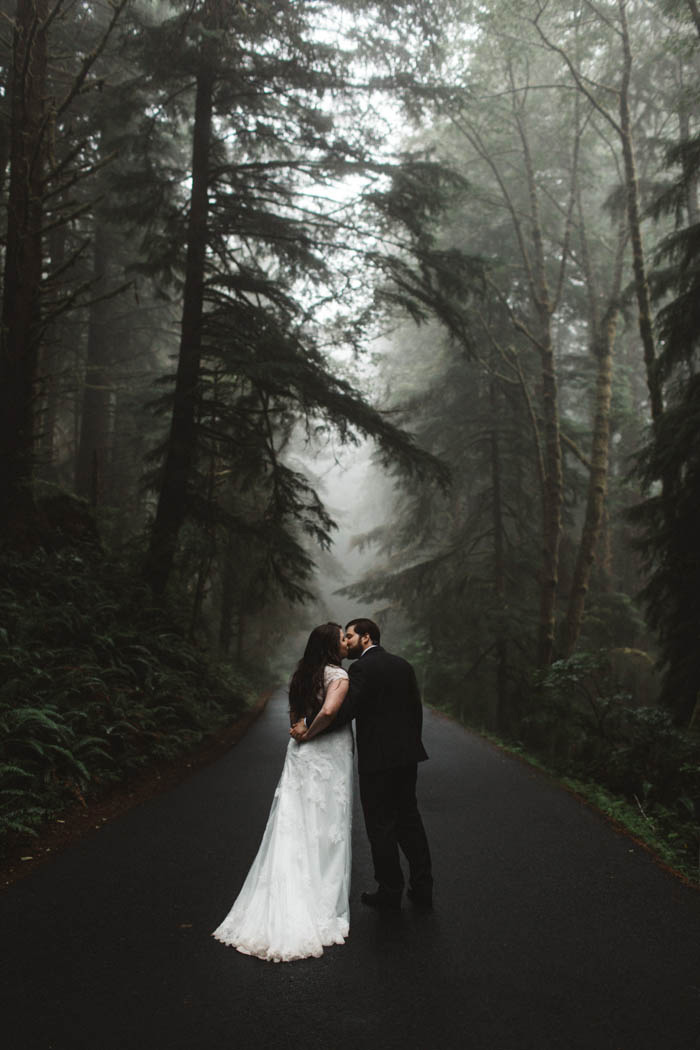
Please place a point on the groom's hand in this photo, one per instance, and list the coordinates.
(298, 730)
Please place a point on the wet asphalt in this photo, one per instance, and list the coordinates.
(551, 931)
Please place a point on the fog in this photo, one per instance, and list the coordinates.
(358, 495)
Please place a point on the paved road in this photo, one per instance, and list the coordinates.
(551, 931)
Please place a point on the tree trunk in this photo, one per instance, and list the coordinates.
(95, 416)
(240, 637)
(229, 594)
(603, 345)
(553, 480)
(646, 329)
(48, 378)
(543, 309)
(208, 553)
(597, 488)
(551, 507)
(499, 568)
(23, 256)
(604, 554)
(688, 171)
(4, 128)
(180, 452)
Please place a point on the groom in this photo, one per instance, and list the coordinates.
(384, 700)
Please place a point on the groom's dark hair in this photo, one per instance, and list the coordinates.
(363, 626)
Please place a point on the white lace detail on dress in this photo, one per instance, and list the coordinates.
(295, 897)
(331, 674)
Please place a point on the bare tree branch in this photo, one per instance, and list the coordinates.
(576, 74)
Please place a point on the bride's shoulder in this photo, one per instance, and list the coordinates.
(331, 672)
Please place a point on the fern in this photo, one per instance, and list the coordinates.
(95, 682)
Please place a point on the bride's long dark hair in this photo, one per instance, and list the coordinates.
(306, 686)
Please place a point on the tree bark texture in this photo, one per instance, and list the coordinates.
(553, 480)
(597, 488)
(499, 566)
(19, 334)
(551, 507)
(646, 329)
(180, 452)
(603, 343)
(690, 176)
(49, 385)
(207, 556)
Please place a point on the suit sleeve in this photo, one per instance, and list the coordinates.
(348, 709)
(418, 706)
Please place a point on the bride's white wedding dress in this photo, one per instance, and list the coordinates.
(295, 897)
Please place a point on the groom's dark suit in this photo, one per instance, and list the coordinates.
(384, 700)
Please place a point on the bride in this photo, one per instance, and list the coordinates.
(295, 897)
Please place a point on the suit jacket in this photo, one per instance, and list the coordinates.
(384, 699)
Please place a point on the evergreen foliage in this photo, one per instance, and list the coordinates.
(587, 727)
(96, 682)
(670, 517)
(669, 464)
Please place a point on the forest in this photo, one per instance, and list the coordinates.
(246, 244)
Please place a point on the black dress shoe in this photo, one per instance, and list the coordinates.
(383, 901)
(424, 901)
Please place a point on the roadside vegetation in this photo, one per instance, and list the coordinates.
(96, 681)
(632, 763)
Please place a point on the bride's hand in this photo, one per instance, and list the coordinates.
(298, 730)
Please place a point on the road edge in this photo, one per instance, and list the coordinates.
(535, 764)
(80, 820)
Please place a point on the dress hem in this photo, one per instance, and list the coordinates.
(267, 956)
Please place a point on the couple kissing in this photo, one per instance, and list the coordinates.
(295, 899)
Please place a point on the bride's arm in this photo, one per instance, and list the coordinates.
(335, 694)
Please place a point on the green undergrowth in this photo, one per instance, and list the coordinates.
(674, 840)
(669, 829)
(96, 682)
(580, 724)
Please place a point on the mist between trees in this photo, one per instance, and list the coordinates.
(238, 237)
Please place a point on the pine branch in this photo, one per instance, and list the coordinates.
(90, 59)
